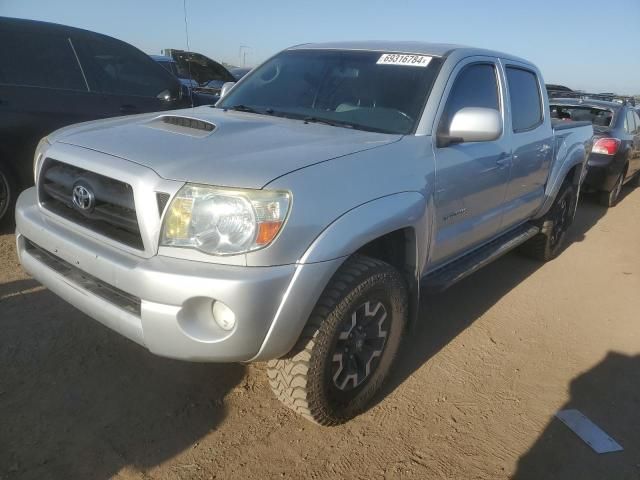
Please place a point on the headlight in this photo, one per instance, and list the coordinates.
(224, 221)
(37, 157)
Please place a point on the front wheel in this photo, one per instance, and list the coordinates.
(549, 242)
(347, 346)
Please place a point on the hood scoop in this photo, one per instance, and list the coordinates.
(183, 125)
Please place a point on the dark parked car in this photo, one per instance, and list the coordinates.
(557, 90)
(190, 87)
(239, 72)
(615, 158)
(54, 75)
(209, 74)
(171, 66)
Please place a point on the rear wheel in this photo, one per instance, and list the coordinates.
(8, 194)
(348, 345)
(549, 242)
(610, 199)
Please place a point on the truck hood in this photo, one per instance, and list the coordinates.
(242, 150)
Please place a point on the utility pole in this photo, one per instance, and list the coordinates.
(242, 54)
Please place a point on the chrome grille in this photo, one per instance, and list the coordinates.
(108, 207)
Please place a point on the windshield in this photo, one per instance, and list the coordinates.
(365, 90)
(599, 117)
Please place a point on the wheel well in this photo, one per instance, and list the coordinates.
(574, 174)
(399, 249)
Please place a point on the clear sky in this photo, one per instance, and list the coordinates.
(588, 44)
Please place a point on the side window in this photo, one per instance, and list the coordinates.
(526, 103)
(39, 60)
(637, 119)
(475, 86)
(118, 68)
(630, 123)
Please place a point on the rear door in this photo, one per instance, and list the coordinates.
(472, 177)
(532, 141)
(127, 80)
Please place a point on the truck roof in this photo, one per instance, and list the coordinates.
(421, 48)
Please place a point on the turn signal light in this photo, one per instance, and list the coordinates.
(267, 232)
(606, 146)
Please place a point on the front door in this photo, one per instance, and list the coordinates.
(472, 177)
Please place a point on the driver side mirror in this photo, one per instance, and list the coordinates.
(226, 86)
(472, 124)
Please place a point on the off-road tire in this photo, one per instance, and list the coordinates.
(550, 241)
(8, 194)
(302, 380)
(610, 199)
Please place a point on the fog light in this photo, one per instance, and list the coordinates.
(223, 315)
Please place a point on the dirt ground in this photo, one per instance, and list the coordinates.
(472, 396)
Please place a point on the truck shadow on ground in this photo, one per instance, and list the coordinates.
(609, 395)
(79, 401)
(444, 316)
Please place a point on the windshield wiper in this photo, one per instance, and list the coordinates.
(242, 108)
(326, 122)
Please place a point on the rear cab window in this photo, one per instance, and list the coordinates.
(526, 101)
(33, 59)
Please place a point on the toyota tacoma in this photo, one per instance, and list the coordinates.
(297, 221)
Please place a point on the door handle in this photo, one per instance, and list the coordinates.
(128, 108)
(503, 160)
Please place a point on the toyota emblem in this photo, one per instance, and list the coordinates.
(83, 198)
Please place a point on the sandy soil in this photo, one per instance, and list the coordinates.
(472, 396)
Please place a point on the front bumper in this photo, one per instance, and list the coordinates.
(172, 317)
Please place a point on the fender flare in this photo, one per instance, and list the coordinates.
(326, 254)
(575, 156)
(372, 220)
(366, 222)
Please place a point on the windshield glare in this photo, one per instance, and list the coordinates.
(345, 88)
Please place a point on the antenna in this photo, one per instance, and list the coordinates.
(186, 32)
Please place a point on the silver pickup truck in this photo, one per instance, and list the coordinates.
(297, 221)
